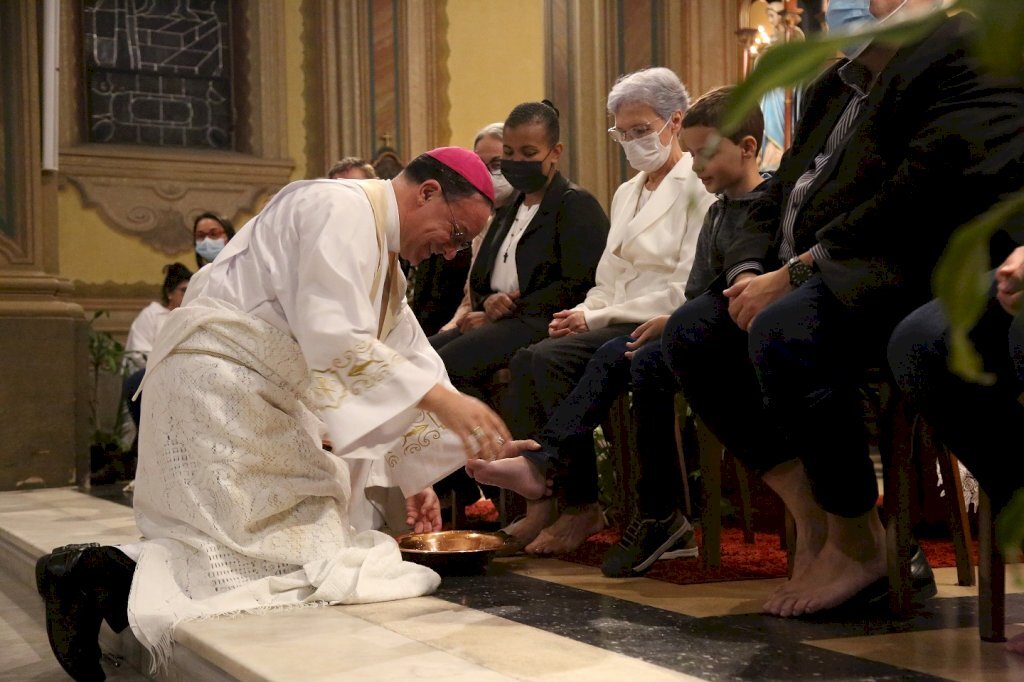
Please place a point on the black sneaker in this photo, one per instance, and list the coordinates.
(684, 548)
(645, 541)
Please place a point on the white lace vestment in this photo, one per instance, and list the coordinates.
(240, 506)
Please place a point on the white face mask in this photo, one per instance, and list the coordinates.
(209, 248)
(647, 153)
(502, 189)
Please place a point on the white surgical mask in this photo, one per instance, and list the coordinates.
(647, 153)
(209, 248)
(502, 189)
(846, 16)
(843, 15)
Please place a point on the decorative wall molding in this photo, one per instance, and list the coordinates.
(701, 43)
(338, 68)
(154, 193)
(375, 69)
(579, 68)
(423, 76)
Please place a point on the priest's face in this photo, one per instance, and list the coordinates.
(439, 226)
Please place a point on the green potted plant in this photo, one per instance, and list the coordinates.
(106, 363)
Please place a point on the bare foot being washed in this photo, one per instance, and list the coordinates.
(568, 532)
(517, 474)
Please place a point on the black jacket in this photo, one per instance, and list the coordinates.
(936, 143)
(724, 220)
(556, 256)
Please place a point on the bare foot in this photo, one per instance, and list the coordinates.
(517, 474)
(853, 557)
(575, 525)
(790, 481)
(539, 514)
(1016, 644)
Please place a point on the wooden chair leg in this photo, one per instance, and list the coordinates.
(991, 577)
(711, 497)
(681, 409)
(959, 526)
(743, 479)
(789, 541)
(897, 446)
(618, 433)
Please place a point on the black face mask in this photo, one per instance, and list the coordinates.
(525, 176)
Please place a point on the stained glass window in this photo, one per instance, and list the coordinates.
(157, 72)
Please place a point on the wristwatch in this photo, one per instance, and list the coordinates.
(799, 271)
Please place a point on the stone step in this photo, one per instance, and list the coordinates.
(425, 638)
(34, 522)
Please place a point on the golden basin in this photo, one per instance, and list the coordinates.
(451, 552)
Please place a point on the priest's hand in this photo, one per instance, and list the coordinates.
(423, 511)
(479, 428)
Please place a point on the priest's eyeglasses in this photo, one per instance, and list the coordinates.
(459, 236)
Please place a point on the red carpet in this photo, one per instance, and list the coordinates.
(740, 561)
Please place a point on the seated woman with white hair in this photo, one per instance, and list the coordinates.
(655, 219)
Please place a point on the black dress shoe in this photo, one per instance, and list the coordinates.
(922, 584)
(875, 596)
(72, 614)
(922, 580)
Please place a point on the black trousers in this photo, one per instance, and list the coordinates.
(788, 389)
(472, 358)
(569, 433)
(981, 424)
(543, 375)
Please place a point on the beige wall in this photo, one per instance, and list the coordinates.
(495, 61)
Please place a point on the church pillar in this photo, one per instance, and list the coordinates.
(43, 336)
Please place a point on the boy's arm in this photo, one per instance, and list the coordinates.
(703, 272)
(754, 242)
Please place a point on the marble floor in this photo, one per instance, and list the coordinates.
(526, 619)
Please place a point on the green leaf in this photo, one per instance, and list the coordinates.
(1010, 527)
(1001, 25)
(791, 64)
(961, 281)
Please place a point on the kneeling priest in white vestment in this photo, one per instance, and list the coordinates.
(299, 327)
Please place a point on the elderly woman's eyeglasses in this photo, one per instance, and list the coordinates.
(459, 236)
(634, 133)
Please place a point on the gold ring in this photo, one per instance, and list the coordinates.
(477, 431)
